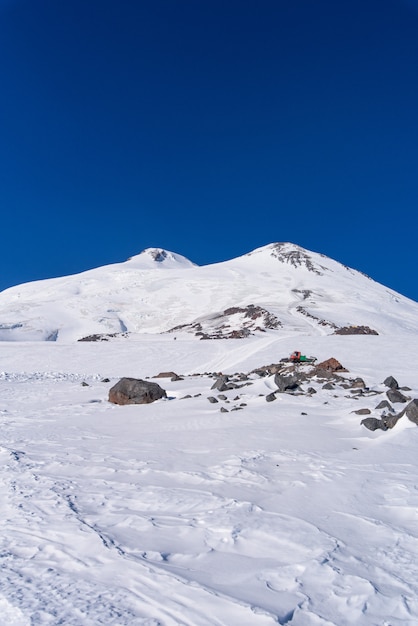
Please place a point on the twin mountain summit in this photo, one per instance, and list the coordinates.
(280, 288)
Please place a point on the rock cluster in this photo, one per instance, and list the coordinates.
(295, 379)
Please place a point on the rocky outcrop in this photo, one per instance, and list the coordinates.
(102, 336)
(135, 391)
(355, 330)
(330, 365)
(236, 322)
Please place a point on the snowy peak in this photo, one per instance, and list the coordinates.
(158, 257)
(280, 288)
(291, 254)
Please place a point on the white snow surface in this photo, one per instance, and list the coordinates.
(186, 512)
(158, 290)
(176, 513)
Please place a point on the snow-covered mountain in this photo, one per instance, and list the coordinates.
(280, 288)
(237, 498)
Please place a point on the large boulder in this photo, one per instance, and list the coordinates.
(135, 391)
(286, 382)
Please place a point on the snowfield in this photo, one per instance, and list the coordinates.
(178, 513)
(207, 508)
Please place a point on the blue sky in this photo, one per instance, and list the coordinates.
(208, 128)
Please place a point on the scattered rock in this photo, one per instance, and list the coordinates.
(286, 382)
(391, 420)
(268, 370)
(355, 330)
(102, 336)
(384, 404)
(411, 411)
(391, 382)
(330, 365)
(171, 375)
(395, 396)
(271, 397)
(105, 380)
(358, 383)
(135, 391)
(372, 423)
(224, 410)
(362, 412)
(222, 383)
(212, 400)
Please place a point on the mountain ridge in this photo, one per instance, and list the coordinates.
(280, 287)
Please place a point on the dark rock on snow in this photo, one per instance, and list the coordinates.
(395, 395)
(135, 391)
(411, 411)
(222, 384)
(391, 420)
(372, 423)
(286, 383)
(391, 382)
(384, 404)
(171, 375)
(330, 365)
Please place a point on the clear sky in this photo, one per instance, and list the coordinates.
(209, 128)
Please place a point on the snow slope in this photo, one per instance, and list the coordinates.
(157, 290)
(206, 508)
(178, 513)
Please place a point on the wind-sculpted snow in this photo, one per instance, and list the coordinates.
(180, 513)
(47, 376)
(158, 290)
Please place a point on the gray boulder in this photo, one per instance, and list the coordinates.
(135, 391)
(391, 420)
(384, 404)
(391, 382)
(372, 423)
(222, 383)
(411, 411)
(395, 395)
(358, 383)
(286, 383)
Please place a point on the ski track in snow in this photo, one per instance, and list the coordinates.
(178, 514)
